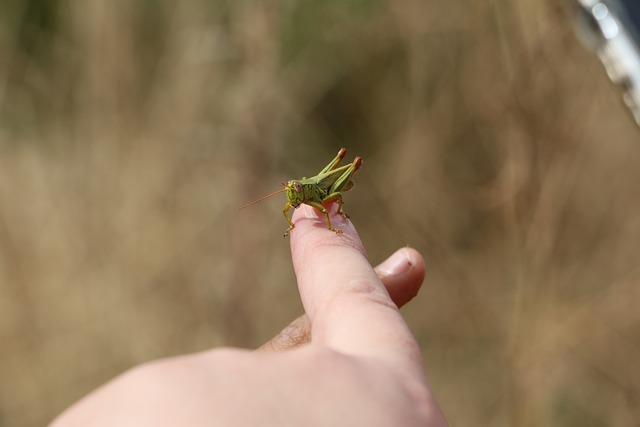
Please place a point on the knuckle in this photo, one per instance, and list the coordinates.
(373, 291)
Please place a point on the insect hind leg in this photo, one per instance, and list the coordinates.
(335, 162)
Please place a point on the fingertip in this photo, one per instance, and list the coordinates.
(311, 232)
(306, 215)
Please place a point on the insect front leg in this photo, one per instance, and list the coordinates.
(291, 226)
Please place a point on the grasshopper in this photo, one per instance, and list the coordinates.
(327, 186)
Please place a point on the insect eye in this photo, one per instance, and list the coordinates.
(297, 186)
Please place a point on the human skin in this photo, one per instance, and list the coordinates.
(349, 361)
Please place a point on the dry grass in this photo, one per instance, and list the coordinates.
(493, 143)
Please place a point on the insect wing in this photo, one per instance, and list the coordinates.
(344, 183)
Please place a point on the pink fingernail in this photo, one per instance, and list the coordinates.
(396, 264)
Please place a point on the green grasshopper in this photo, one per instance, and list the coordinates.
(327, 186)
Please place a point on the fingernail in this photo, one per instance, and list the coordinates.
(397, 264)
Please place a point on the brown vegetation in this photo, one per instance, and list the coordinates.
(131, 131)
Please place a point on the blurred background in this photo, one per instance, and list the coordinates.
(130, 133)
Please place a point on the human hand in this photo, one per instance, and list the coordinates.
(362, 366)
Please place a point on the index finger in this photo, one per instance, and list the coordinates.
(348, 306)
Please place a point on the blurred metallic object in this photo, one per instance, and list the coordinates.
(612, 29)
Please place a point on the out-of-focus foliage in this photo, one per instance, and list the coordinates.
(131, 131)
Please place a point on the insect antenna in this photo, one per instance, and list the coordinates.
(262, 198)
